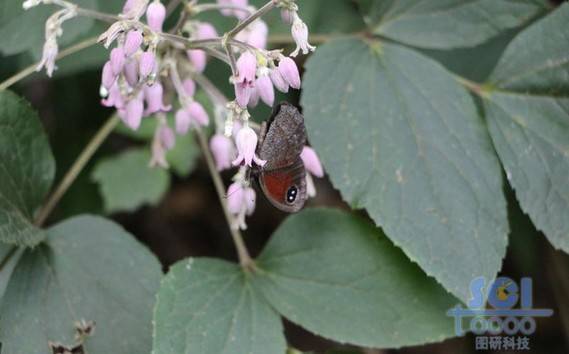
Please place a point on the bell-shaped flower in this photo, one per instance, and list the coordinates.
(241, 201)
(164, 141)
(206, 30)
(155, 16)
(246, 142)
(134, 9)
(108, 78)
(131, 72)
(254, 98)
(147, 64)
(183, 121)
(189, 87)
(235, 8)
(243, 93)
(133, 113)
(264, 88)
(246, 68)
(278, 80)
(289, 72)
(118, 59)
(223, 151)
(153, 96)
(198, 114)
(132, 42)
(312, 162)
(49, 55)
(114, 98)
(299, 32)
(198, 59)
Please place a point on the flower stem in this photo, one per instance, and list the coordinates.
(254, 16)
(32, 68)
(245, 259)
(76, 169)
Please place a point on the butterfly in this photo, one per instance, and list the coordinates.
(283, 178)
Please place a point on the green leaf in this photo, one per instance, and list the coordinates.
(26, 170)
(400, 137)
(209, 306)
(89, 269)
(24, 31)
(127, 182)
(447, 24)
(9, 258)
(526, 107)
(339, 277)
(182, 158)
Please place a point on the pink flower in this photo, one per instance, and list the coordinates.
(49, 55)
(278, 80)
(118, 60)
(108, 77)
(189, 87)
(147, 64)
(254, 98)
(134, 9)
(133, 113)
(234, 12)
(299, 32)
(131, 72)
(183, 121)
(206, 31)
(154, 99)
(256, 34)
(246, 68)
(132, 42)
(198, 58)
(289, 72)
(155, 16)
(265, 89)
(198, 114)
(167, 137)
(114, 99)
(241, 201)
(287, 16)
(311, 161)
(223, 151)
(246, 142)
(243, 93)
(164, 140)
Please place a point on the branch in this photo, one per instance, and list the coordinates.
(76, 168)
(32, 68)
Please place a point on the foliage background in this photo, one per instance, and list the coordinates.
(185, 219)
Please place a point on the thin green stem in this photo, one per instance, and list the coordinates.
(32, 68)
(245, 259)
(254, 16)
(76, 169)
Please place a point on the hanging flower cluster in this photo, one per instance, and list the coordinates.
(152, 72)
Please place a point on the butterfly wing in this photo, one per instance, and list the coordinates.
(284, 138)
(283, 178)
(285, 187)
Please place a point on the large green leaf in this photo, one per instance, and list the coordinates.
(9, 257)
(448, 23)
(339, 277)
(208, 306)
(26, 170)
(89, 269)
(127, 182)
(402, 139)
(24, 31)
(528, 113)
